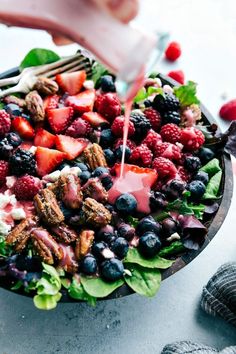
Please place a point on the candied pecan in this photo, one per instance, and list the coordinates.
(96, 214)
(94, 189)
(34, 104)
(94, 156)
(64, 233)
(20, 235)
(46, 86)
(70, 191)
(84, 243)
(45, 245)
(47, 207)
(68, 261)
(16, 100)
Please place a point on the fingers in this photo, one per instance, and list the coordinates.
(123, 10)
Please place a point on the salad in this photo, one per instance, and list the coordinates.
(69, 223)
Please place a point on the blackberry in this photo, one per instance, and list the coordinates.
(166, 102)
(22, 162)
(147, 103)
(5, 149)
(141, 124)
(171, 117)
(13, 139)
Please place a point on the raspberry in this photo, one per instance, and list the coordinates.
(141, 156)
(164, 167)
(166, 102)
(183, 174)
(141, 123)
(97, 102)
(130, 143)
(118, 127)
(173, 51)
(21, 162)
(168, 150)
(26, 187)
(170, 133)
(108, 105)
(4, 168)
(154, 118)
(177, 75)
(152, 139)
(228, 110)
(5, 122)
(191, 138)
(79, 128)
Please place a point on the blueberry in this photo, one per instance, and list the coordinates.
(119, 152)
(84, 177)
(169, 227)
(106, 234)
(149, 244)
(89, 265)
(174, 188)
(13, 139)
(126, 203)
(109, 155)
(201, 176)
(13, 109)
(197, 189)
(99, 171)
(206, 154)
(126, 231)
(107, 182)
(192, 163)
(107, 84)
(30, 264)
(101, 251)
(157, 201)
(112, 269)
(106, 138)
(68, 213)
(148, 224)
(120, 247)
(81, 165)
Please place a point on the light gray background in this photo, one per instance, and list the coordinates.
(207, 31)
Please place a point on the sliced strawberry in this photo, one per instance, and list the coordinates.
(94, 118)
(51, 102)
(70, 146)
(83, 102)
(44, 138)
(150, 175)
(71, 82)
(26, 145)
(47, 160)
(59, 118)
(23, 127)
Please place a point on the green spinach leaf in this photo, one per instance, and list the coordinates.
(212, 167)
(98, 71)
(213, 186)
(97, 287)
(134, 256)
(46, 302)
(174, 248)
(38, 56)
(77, 292)
(187, 94)
(144, 281)
(185, 208)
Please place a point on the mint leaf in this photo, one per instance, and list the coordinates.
(134, 256)
(212, 167)
(213, 186)
(174, 248)
(77, 292)
(187, 94)
(144, 281)
(39, 56)
(46, 302)
(97, 287)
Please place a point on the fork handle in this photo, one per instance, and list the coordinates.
(112, 42)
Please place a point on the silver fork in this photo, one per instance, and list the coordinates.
(25, 81)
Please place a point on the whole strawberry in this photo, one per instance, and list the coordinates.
(79, 128)
(141, 156)
(168, 150)
(5, 122)
(154, 118)
(228, 110)
(191, 138)
(164, 167)
(26, 187)
(108, 105)
(4, 169)
(171, 133)
(152, 139)
(117, 127)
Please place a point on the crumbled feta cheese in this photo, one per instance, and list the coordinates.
(167, 89)
(65, 170)
(52, 177)
(107, 253)
(33, 149)
(18, 214)
(89, 85)
(10, 181)
(4, 200)
(158, 82)
(13, 200)
(75, 171)
(173, 237)
(4, 228)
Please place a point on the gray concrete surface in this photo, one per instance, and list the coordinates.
(207, 31)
